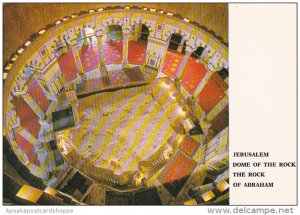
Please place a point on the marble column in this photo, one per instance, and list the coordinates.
(13, 119)
(73, 101)
(45, 134)
(186, 57)
(77, 60)
(85, 39)
(125, 47)
(203, 83)
(137, 31)
(100, 49)
(180, 47)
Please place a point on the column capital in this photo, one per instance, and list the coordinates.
(212, 68)
(74, 46)
(189, 50)
(99, 33)
(227, 93)
(27, 72)
(20, 92)
(19, 128)
(43, 122)
(191, 100)
(126, 31)
(14, 122)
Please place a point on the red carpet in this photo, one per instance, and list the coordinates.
(171, 64)
(113, 52)
(68, 66)
(136, 52)
(211, 94)
(28, 118)
(36, 92)
(189, 145)
(180, 168)
(89, 56)
(192, 75)
(28, 148)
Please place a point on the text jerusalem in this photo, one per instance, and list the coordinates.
(251, 154)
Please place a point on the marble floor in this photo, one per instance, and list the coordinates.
(120, 129)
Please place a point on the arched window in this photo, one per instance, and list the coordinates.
(177, 43)
(115, 32)
(223, 73)
(197, 54)
(144, 33)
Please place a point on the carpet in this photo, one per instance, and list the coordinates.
(67, 65)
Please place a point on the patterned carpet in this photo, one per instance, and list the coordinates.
(28, 148)
(28, 118)
(136, 52)
(113, 52)
(176, 172)
(89, 56)
(212, 93)
(189, 145)
(192, 75)
(68, 66)
(34, 90)
(172, 63)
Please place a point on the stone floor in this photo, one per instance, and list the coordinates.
(120, 129)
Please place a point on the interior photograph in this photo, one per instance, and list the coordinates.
(115, 104)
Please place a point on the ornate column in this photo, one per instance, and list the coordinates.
(180, 47)
(125, 47)
(137, 31)
(77, 60)
(85, 40)
(155, 55)
(45, 134)
(73, 101)
(100, 49)
(13, 119)
(188, 53)
(61, 44)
